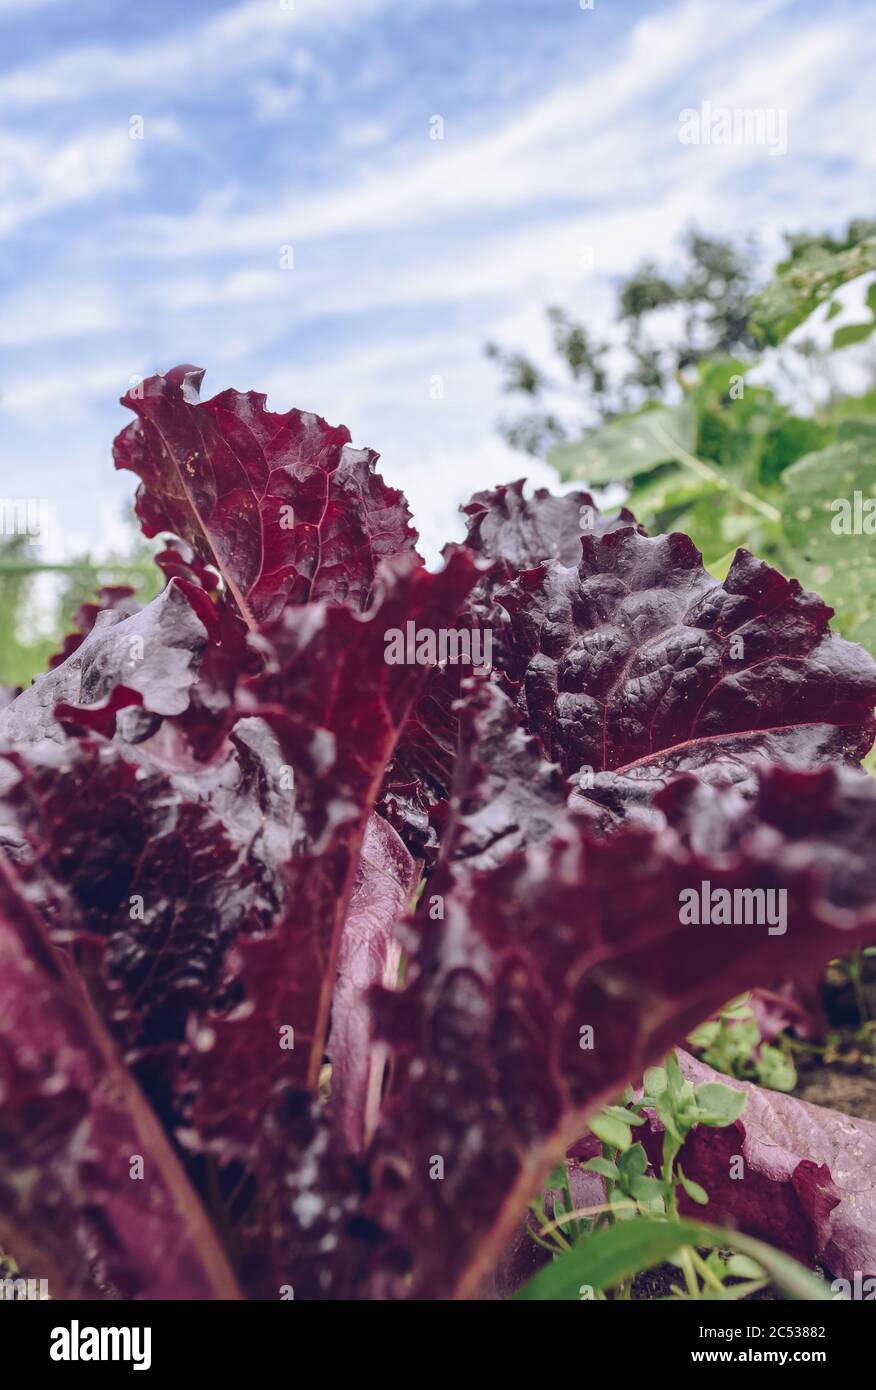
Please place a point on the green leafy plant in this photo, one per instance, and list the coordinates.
(704, 447)
(815, 268)
(598, 1251)
(733, 1044)
(589, 1241)
(707, 297)
(32, 626)
(735, 467)
(612, 1256)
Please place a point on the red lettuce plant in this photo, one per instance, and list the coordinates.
(218, 812)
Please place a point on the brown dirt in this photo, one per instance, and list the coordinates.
(658, 1282)
(851, 1089)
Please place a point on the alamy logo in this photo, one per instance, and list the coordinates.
(855, 1288)
(426, 646)
(855, 516)
(31, 1290)
(741, 907)
(24, 516)
(75, 1343)
(739, 125)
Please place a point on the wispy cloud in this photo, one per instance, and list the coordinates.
(223, 46)
(574, 143)
(311, 127)
(41, 175)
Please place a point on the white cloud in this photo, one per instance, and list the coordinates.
(226, 45)
(433, 247)
(67, 392)
(38, 175)
(573, 143)
(55, 310)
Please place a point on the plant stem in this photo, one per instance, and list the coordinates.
(854, 969)
(707, 1275)
(714, 475)
(690, 1277)
(12, 568)
(581, 1212)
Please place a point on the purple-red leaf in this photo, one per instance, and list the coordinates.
(280, 505)
(521, 532)
(579, 934)
(637, 651)
(155, 651)
(513, 534)
(119, 597)
(91, 1196)
(369, 954)
(807, 1181)
(166, 871)
(505, 794)
(337, 707)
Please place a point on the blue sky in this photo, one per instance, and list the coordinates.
(307, 125)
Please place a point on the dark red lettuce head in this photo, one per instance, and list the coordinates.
(215, 812)
(550, 982)
(280, 506)
(637, 657)
(92, 1197)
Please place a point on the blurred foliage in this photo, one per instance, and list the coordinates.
(814, 270)
(702, 449)
(34, 618)
(707, 300)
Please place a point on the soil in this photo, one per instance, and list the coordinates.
(658, 1283)
(845, 1079)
